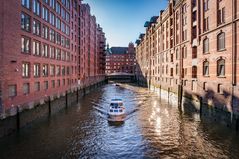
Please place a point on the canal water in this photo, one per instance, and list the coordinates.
(153, 129)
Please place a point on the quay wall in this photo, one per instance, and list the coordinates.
(198, 107)
(19, 117)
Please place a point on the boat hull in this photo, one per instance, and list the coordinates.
(116, 118)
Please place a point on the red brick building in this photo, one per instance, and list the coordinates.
(121, 59)
(193, 44)
(92, 48)
(41, 52)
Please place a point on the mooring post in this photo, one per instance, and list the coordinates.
(168, 95)
(84, 92)
(160, 87)
(66, 100)
(49, 105)
(77, 95)
(201, 105)
(18, 118)
(237, 124)
(180, 96)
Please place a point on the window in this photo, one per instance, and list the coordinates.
(171, 71)
(45, 50)
(63, 41)
(45, 70)
(63, 55)
(25, 45)
(194, 72)
(36, 27)
(46, 1)
(26, 69)
(52, 19)
(45, 14)
(63, 13)
(221, 16)
(53, 83)
(58, 23)
(206, 45)
(45, 85)
(37, 86)
(45, 32)
(205, 68)
(184, 20)
(184, 35)
(36, 48)
(64, 82)
(26, 3)
(205, 5)
(36, 70)
(26, 88)
(52, 35)
(63, 70)
(58, 38)
(58, 54)
(12, 90)
(184, 52)
(58, 70)
(184, 8)
(58, 8)
(68, 4)
(52, 52)
(206, 24)
(67, 17)
(176, 69)
(52, 70)
(36, 7)
(63, 27)
(58, 83)
(52, 4)
(221, 41)
(219, 89)
(25, 22)
(221, 67)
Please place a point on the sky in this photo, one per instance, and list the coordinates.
(123, 20)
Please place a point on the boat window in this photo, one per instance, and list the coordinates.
(120, 110)
(111, 110)
(120, 104)
(115, 110)
(114, 104)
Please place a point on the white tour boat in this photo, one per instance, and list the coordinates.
(116, 110)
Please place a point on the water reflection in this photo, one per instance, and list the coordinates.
(152, 129)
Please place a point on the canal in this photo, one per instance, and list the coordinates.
(153, 129)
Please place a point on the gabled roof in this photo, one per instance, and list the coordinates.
(154, 19)
(137, 41)
(141, 36)
(119, 50)
(146, 24)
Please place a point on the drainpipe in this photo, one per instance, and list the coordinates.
(234, 56)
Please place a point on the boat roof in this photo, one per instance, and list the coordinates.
(116, 100)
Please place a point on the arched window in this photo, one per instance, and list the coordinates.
(184, 52)
(206, 45)
(221, 41)
(176, 69)
(221, 67)
(205, 68)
